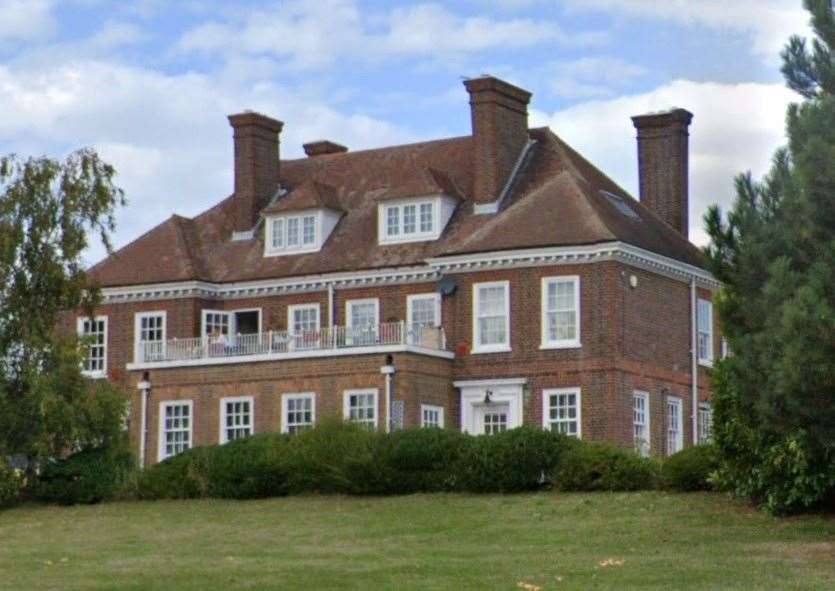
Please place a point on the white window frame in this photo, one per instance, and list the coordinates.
(547, 423)
(291, 311)
(411, 299)
(432, 408)
(270, 249)
(97, 373)
(707, 307)
(547, 342)
(705, 434)
(495, 347)
(230, 314)
(349, 304)
(224, 437)
(643, 448)
(161, 455)
(137, 330)
(285, 403)
(679, 441)
(401, 236)
(346, 405)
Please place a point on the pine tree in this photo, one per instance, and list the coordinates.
(775, 254)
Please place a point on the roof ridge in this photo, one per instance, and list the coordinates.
(392, 147)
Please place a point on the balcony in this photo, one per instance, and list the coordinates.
(275, 345)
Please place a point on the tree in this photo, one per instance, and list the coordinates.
(48, 209)
(775, 254)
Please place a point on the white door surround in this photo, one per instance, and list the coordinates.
(505, 396)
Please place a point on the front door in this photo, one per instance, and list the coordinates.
(491, 418)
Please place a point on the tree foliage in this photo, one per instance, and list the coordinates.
(775, 254)
(48, 210)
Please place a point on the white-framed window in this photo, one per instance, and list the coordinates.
(360, 406)
(237, 418)
(175, 427)
(641, 422)
(424, 309)
(303, 318)
(705, 331)
(94, 333)
(561, 411)
(149, 335)
(495, 422)
(560, 312)
(409, 221)
(431, 415)
(491, 317)
(292, 234)
(227, 324)
(705, 422)
(298, 412)
(675, 434)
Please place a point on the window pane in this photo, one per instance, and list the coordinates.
(393, 221)
(409, 219)
(426, 217)
(423, 311)
(278, 233)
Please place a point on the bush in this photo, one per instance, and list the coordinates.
(248, 468)
(690, 468)
(593, 466)
(89, 476)
(335, 457)
(10, 485)
(184, 476)
(517, 460)
(419, 460)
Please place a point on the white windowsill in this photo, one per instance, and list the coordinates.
(497, 349)
(94, 375)
(560, 345)
(706, 362)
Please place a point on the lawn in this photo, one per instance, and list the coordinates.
(553, 541)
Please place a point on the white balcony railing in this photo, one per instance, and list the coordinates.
(279, 342)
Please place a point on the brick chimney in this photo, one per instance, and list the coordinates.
(256, 165)
(500, 132)
(663, 165)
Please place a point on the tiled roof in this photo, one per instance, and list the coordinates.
(556, 201)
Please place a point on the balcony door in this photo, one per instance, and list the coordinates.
(222, 329)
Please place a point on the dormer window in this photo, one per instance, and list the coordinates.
(293, 234)
(413, 220)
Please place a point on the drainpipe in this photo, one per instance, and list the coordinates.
(144, 386)
(388, 371)
(330, 305)
(694, 364)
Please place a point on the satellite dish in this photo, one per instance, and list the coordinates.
(447, 286)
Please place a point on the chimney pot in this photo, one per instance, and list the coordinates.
(256, 165)
(322, 147)
(663, 165)
(499, 114)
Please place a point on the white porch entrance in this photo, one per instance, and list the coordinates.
(490, 406)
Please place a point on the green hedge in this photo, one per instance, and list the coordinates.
(10, 485)
(339, 458)
(598, 466)
(85, 477)
(691, 468)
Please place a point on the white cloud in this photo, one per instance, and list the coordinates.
(314, 34)
(591, 77)
(167, 135)
(770, 22)
(115, 34)
(736, 127)
(24, 20)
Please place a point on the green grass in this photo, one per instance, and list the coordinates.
(554, 541)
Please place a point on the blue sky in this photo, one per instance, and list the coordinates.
(149, 83)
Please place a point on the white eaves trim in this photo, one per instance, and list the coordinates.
(305, 354)
(432, 271)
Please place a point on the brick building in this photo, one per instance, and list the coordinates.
(476, 283)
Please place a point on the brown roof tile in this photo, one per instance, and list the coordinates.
(557, 201)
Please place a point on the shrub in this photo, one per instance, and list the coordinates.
(690, 468)
(516, 460)
(184, 476)
(88, 476)
(419, 460)
(334, 457)
(248, 468)
(593, 466)
(10, 485)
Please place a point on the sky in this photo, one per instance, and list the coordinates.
(149, 83)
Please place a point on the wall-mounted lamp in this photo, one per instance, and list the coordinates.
(488, 397)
